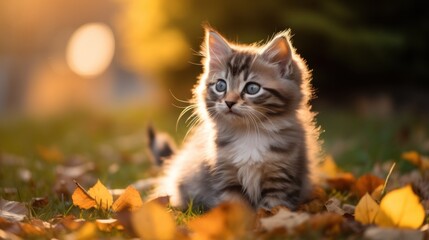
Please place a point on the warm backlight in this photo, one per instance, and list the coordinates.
(90, 49)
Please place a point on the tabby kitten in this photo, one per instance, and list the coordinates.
(255, 140)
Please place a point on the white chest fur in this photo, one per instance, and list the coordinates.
(249, 149)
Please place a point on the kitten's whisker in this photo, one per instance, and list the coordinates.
(177, 99)
(184, 111)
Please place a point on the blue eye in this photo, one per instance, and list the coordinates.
(221, 85)
(252, 88)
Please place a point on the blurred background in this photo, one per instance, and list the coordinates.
(84, 78)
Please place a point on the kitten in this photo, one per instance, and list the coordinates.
(255, 139)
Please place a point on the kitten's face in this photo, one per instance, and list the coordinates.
(249, 85)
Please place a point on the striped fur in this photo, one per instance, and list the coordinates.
(259, 149)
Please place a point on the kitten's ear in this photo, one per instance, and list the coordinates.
(279, 52)
(217, 47)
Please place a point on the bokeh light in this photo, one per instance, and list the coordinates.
(90, 49)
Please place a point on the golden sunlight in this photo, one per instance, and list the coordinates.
(90, 49)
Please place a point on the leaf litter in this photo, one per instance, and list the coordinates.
(368, 206)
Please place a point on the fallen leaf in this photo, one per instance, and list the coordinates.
(50, 154)
(82, 198)
(334, 205)
(8, 235)
(86, 232)
(13, 211)
(39, 202)
(366, 210)
(106, 225)
(377, 194)
(377, 233)
(329, 168)
(401, 208)
(284, 219)
(367, 184)
(342, 181)
(415, 158)
(230, 220)
(101, 195)
(152, 221)
(327, 223)
(129, 199)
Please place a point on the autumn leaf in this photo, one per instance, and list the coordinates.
(367, 184)
(366, 210)
(101, 195)
(50, 154)
(227, 221)
(13, 211)
(335, 177)
(130, 199)
(401, 208)
(82, 198)
(284, 218)
(152, 221)
(106, 225)
(415, 158)
(329, 167)
(342, 182)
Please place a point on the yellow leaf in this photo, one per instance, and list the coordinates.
(401, 208)
(129, 199)
(152, 221)
(329, 167)
(101, 195)
(366, 210)
(227, 221)
(415, 158)
(87, 231)
(377, 193)
(106, 225)
(82, 198)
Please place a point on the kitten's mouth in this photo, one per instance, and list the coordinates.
(232, 113)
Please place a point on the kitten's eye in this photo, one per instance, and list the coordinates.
(221, 85)
(252, 88)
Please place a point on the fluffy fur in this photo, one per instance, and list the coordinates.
(254, 139)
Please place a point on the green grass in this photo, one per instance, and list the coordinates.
(357, 143)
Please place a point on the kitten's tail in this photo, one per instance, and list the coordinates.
(161, 146)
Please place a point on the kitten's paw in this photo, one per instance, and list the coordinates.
(232, 197)
(269, 203)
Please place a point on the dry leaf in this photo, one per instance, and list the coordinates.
(152, 221)
(377, 193)
(106, 225)
(415, 158)
(367, 184)
(342, 182)
(329, 168)
(102, 196)
(284, 219)
(86, 232)
(334, 205)
(8, 235)
(50, 154)
(366, 210)
(377, 233)
(401, 208)
(129, 199)
(12, 211)
(227, 221)
(82, 198)
(327, 223)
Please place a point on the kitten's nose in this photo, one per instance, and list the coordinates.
(230, 104)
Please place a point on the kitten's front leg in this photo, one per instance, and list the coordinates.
(271, 198)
